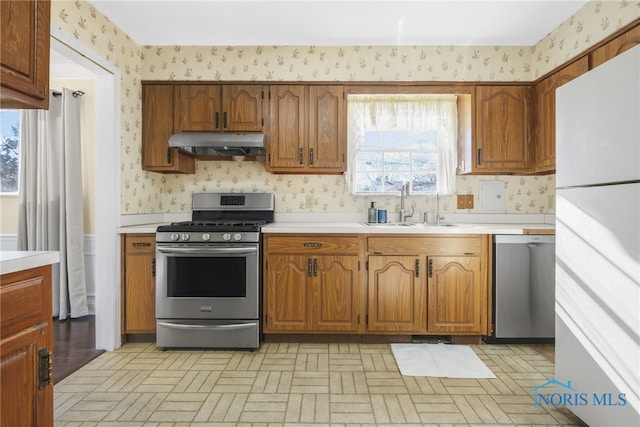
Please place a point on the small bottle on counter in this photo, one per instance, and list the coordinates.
(373, 214)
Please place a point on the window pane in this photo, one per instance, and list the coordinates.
(372, 140)
(367, 161)
(9, 150)
(425, 162)
(369, 182)
(426, 182)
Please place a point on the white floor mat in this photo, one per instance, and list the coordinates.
(439, 360)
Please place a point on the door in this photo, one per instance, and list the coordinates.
(197, 108)
(504, 128)
(140, 284)
(336, 293)
(286, 293)
(242, 108)
(327, 146)
(397, 296)
(287, 132)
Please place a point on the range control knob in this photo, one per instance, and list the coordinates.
(185, 236)
(206, 237)
(226, 237)
(174, 236)
(237, 237)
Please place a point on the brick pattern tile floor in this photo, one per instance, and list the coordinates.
(299, 385)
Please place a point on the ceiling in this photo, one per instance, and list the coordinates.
(338, 23)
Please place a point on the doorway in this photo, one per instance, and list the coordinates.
(106, 271)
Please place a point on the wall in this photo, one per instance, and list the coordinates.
(147, 192)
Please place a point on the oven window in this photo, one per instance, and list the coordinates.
(206, 277)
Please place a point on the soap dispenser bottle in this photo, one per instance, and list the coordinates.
(373, 215)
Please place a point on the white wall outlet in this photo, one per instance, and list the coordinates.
(311, 201)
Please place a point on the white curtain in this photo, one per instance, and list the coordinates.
(50, 197)
(410, 112)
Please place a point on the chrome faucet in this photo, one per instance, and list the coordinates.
(404, 191)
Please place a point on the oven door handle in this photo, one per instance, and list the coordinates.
(208, 251)
(208, 327)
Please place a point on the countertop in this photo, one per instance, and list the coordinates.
(413, 228)
(391, 228)
(12, 261)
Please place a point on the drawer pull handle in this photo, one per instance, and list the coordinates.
(312, 245)
(309, 267)
(141, 245)
(315, 267)
(301, 155)
(417, 268)
(430, 268)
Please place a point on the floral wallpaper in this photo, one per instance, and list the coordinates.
(148, 192)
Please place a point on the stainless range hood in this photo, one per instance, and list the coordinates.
(203, 144)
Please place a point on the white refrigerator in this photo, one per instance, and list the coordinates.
(598, 242)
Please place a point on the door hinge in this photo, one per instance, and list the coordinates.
(431, 268)
(45, 368)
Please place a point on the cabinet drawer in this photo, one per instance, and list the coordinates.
(437, 245)
(314, 243)
(23, 300)
(140, 243)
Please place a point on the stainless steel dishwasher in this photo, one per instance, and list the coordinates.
(524, 287)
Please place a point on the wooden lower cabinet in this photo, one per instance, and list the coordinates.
(313, 290)
(396, 294)
(139, 284)
(409, 285)
(428, 285)
(457, 300)
(26, 343)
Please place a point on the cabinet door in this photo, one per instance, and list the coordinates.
(197, 108)
(140, 285)
(327, 137)
(287, 107)
(546, 109)
(242, 108)
(24, 403)
(24, 54)
(397, 299)
(456, 297)
(336, 294)
(157, 128)
(504, 129)
(615, 47)
(286, 293)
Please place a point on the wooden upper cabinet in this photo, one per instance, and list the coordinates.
(504, 121)
(546, 113)
(24, 53)
(197, 108)
(286, 140)
(307, 130)
(615, 47)
(327, 145)
(242, 108)
(157, 128)
(211, 108)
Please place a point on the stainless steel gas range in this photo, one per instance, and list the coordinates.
(208, 273)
